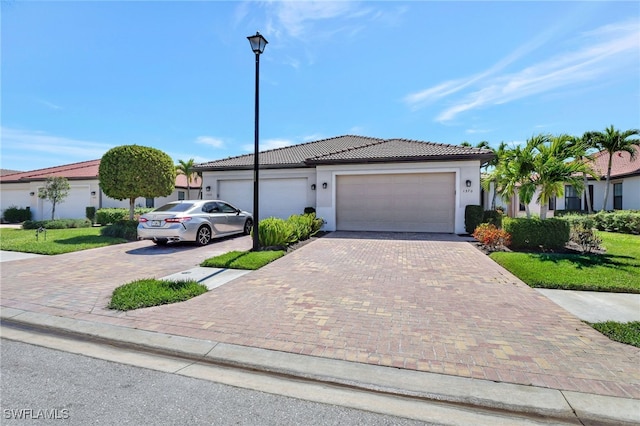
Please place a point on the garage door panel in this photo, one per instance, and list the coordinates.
(422, 202)
(278, 197)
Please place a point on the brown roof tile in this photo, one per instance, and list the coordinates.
(350, 149)
(621, 164)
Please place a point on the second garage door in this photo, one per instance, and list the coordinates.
(423, 202)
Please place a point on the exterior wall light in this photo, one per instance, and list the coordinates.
(208, 189)
(93, 193)
(324, 185)
(313, 186)
(32, 193)
(468, 183)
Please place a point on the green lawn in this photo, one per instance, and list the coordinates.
(618, 270)
(243, 259)
(152, 292)
(56, 241)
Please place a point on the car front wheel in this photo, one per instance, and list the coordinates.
(247, 227)
(204, 236)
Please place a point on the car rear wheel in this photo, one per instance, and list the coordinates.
(247, 227)
(203, 237)
(160, 241)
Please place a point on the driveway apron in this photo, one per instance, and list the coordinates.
(425, 302)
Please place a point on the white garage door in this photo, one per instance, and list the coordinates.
(278, 197)
(423, 202)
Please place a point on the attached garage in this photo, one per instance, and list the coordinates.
(358, 183)
(417, 202)
(278, 197)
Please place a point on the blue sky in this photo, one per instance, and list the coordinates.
(79, 78)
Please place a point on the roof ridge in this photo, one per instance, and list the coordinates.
(376, 141)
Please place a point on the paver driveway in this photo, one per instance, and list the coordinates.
(417, 301)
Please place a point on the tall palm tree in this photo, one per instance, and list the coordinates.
(580, 148)
(187, 168)
(490, 178)
(613, 140)
(555, 164)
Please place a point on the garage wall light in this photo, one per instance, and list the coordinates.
(208, 189)
(32, 193)
(313, 186)
(93, 193)
(324, 185)
(468, 183)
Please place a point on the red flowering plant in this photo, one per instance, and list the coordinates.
(492, 238)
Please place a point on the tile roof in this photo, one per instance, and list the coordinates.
(620, 166)
(350, 149)
(77, 171)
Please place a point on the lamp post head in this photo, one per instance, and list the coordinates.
(258, 43)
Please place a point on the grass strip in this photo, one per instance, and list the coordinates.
(54, 241)
(624, 332)
(617, 270)
(153, 292)
(250, 260)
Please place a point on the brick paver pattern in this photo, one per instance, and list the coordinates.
(424, 302)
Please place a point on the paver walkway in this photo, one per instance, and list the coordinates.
(418, 301)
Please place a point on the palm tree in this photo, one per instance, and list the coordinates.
(187, 168)
(613, 140)
(491, 177)
(513, 173)
(580, 148)
(555, 164)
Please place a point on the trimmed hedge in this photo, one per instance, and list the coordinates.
(623, 221)
(113, 215)
(13, 214)
(57, 224)
(90, 213)
(535, 233)
(492, 217)
(473, 215)
(124, 228)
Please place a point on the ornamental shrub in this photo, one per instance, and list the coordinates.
(113, 215)
(623, 221)
(57, 224)
(491, 237)
(585, 236)
(275, 232)
(123, 228)
(537, 234)
(472, 217)
(13, 214)
(305, 226)
(90, 213)
(493, 217)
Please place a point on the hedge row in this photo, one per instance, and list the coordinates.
(14, 214)
(276, 232)
(623, 221)
(56, 224)
(536, 234)
(114, 215)
(474, 215)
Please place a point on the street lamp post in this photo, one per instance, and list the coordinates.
(258, 43)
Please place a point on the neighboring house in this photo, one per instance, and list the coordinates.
(624, 190)
(21, 190)
(357, 183)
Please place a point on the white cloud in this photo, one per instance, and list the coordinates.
(601, 52)
(269, 144)
(210, 141)
(32, 149)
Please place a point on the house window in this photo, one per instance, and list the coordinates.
(571, 198)
(521, 207)
(584, 198)
(552, 203)
(180, 195)
(149, 203)
(617, 196)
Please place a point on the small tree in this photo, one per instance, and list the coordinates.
(132, 171)
(56, 189)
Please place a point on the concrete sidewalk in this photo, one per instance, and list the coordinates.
(515, 404)
(427, 306)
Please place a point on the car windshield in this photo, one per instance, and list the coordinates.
(175, 207)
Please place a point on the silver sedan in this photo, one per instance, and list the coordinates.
(193, 220)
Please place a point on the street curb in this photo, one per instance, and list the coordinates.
(524, 400)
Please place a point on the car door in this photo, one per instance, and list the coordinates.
(235, 219)
(216, 217)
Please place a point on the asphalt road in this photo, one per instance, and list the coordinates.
(53, 387)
